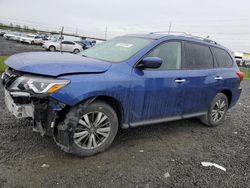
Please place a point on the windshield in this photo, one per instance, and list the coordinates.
(117, 49)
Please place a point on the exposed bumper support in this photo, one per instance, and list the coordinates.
(42, 110)
(20, 111)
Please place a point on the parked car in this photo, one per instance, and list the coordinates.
(19, 38)
(32, 39)
(67, 46)
(11, 36)
(2, 32)
(239, 58)
(86, 44)
(16, 36)
(128, 81)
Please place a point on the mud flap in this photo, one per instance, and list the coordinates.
(37, 127)
(61, 137)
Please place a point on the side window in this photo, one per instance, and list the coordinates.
(222, 58)
(68, 42)
(71, 43)
(197, 57)
(170, 53)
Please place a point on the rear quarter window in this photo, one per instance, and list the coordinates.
(197, 56)
(222, 58)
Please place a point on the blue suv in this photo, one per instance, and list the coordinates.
(81, 100)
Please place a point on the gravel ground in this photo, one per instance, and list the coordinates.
(163, 155)
(9, 47)
(139, 157)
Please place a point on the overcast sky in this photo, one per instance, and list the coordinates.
(226, 21)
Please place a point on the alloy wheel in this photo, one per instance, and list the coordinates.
(218, 110)
(92, 130)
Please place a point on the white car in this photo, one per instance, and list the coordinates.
(67, 46)
(31, 39)
(11, 36)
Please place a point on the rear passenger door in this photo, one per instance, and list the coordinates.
(226, 72)
(201, 85)
(67, 46)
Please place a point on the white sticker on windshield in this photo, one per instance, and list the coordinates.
(124, 45)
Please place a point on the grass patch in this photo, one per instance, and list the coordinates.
(2, 65)
(246, 72)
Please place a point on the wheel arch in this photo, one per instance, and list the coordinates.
(51, 46)
(76, 49)
(112, 101)
(228, 94)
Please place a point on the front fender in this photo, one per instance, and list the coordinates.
(114, 83)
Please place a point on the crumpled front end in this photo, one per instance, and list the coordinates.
(42, 109)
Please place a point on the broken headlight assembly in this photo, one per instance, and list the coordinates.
(38, 85)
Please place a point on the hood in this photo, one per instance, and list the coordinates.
(55, 63)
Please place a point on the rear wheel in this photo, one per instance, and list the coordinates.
(217, 111)
(93, 128)
(76, 51)
(52, 48)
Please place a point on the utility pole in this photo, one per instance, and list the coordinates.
(61, 39)
(76, 30)
(169, 28)
(106, 31)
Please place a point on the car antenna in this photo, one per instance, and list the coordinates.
(61, 40)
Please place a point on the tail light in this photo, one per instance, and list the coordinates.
(240, 75)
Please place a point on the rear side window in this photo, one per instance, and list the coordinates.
(170, 53)
(222, 58)
(197, 56)
(68, 42)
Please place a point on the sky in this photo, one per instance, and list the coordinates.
(226, 21)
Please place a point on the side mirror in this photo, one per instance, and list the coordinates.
(150, 62)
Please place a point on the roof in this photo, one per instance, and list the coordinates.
(181, 36)
(148, 36)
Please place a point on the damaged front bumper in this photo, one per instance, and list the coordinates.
(44, 111)
(36, 103)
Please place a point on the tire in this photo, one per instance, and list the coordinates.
(79, 136)
(32, 42)
(76, 51)
(52, 48)
(218, 108)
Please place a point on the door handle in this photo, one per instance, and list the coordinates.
(179, 81)
(218, 78)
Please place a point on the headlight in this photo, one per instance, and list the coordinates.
(38, 85)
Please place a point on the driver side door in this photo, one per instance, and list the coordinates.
(157, 94)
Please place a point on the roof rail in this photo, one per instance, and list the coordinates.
(186, 35)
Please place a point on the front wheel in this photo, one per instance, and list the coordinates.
(217, 111)
(91, 129)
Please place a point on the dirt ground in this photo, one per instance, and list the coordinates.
(163, 155)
